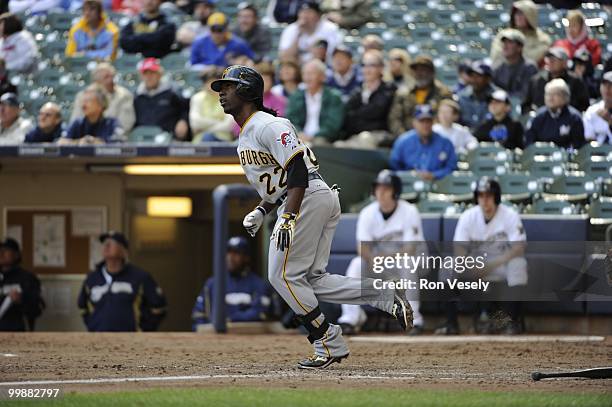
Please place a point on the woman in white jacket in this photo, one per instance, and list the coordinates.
(17, 46)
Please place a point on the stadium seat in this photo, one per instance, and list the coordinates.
(601, 209)
(518, 187)
(53, 48)
(61, 21)
(456, 187)
(439, 207)
(572, 186)
(597, 167)
(489, 151)
(128, 62)
(412, 185)
(175, 61)
(67, 93)
(541, 149)
(541, 167)
(592, 150)
(552, 207)
(149, 134)
(489, 167)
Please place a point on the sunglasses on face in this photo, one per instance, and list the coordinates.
(217, 29)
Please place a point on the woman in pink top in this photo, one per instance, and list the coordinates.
(271, 100)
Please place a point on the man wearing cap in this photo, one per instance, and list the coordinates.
(151, 33)
(513, 74)
(427, 90)
(556, 67)
(499, 126)
(598, 117)
(13, 127)
(255, 34)
(474, 98)
(345, 76)
(49, 125)
(582, 68)
(117, 295)
(20, 300)
(297, 38)
(423, 150)
(247, 297)
(158, 104)
(557, 121)
(189, 31)
(207, 119)
(94, 35)
(219, 47)
(317, 110)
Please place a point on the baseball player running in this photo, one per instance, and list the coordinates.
(284, 173)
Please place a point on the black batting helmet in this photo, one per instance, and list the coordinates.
(388, 177)
(488, 184)
(249, 83)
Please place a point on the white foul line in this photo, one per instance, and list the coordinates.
(476, 338)
(186, 378)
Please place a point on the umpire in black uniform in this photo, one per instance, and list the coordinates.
(118, 296)
(20, 300)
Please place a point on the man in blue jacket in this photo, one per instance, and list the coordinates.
(247, 295)
(423, 150)
(118, 296)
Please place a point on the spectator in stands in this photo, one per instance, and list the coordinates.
(120, 100)
(297, 38)
(94, 35)
(524, 17)
(319, 50)
(582, 68)
(157, 104)
(119, 296)
(556, 67)
(255, 34)
(463, 76)
(578, 37)
(247, 296)
(13, 127)
(5, 82)
(474, 98)
(398, 69)
(372, 41)
(447, 126)
(189, 31)
(207, 119)
(286, 11)
(19, 288)
(423, 150)
(557, 121)
(219, 47)
(348, 14)
(365, 121)
(598, 117)
(513, 74)
(502, 237)
(151, 33)
(388, 219)
(316, 111)
(93, 127)
(426, 90)
(499, 126)
(33, 6)
(345, 76)
(131, 7)
(290, 78)
(49, 125)
(17, 46)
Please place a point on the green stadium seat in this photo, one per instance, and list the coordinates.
(489, 167)
(175, 61)
(518, 187)
(439, 207)
(61, 21)
(412, 185)
(67, 93)
(52, 49)
(128, 62)
(542, 167)
(421, 32)
(149, 134)
(395, 17)
(572, 186)
(552, 207)
(600, 210)
(489, 151)
(50, 77)
(592, 150)
(598, 167)
(541, 149)
(456, 187)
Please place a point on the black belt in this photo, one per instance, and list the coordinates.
(311, 176)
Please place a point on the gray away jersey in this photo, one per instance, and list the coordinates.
(265, 147)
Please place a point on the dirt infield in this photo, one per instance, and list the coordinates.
(269, 360)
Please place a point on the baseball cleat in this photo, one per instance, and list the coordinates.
(319, 362)
(402, 312)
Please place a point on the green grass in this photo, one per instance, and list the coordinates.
(246, 397)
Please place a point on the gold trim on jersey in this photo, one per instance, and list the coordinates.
(245, 123)
(291, 157)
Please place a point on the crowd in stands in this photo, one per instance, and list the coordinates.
(531, 88)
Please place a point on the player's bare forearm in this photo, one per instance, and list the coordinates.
(294, 199)
(267, 206)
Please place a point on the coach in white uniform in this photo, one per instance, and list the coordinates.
(489, 222)
(388, 219)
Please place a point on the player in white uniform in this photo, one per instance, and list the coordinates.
(388, 219)
(284, 173)
(489, 222)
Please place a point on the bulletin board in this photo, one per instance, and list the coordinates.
(57, 240)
